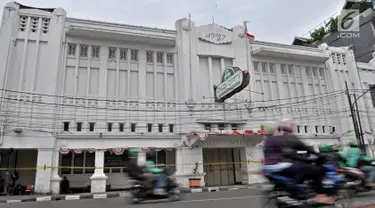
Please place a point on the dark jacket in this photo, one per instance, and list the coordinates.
(134, 170)
(284, 148)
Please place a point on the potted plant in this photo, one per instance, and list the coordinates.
(194, 181)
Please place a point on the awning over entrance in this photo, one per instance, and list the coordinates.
(117, 151)
(192, 138)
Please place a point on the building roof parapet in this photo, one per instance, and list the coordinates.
(115, 26)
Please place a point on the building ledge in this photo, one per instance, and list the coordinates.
(120, 136)
(284, 53)
(104, 30)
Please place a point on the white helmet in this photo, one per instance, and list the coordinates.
(270, 127)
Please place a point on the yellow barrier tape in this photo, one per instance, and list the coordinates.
(45, 167)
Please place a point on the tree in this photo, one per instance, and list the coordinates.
(318, 34)
(332, 25)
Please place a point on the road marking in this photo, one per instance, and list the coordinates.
(232, 189)
(72, 197)
(196, 190)
(217, 199)
(46, 198)
(100, 196)
(14, 201)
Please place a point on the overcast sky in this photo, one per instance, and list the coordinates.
(270, 20)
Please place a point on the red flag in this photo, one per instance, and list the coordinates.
(250, 35)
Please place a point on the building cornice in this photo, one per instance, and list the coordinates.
(119, 136)
(90, 25)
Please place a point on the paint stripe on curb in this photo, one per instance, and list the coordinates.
(115, 195)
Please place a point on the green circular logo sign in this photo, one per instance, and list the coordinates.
(228, 72)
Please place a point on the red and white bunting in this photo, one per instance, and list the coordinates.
(118, 151)
(78, 151)
(91, 150)
(64, 151)
(145, 148)
(203, 136)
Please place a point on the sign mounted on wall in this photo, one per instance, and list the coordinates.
(233, 80)
(215, 34)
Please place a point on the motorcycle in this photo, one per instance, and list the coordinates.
(356, 177)
(139, 193)
(287, 194)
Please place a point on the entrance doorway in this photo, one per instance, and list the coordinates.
(228, 172)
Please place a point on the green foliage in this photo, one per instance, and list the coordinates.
(332, 25)
(318, 34)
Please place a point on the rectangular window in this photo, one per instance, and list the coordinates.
(78, 162)
(315, 73)
(272, 68)
(160, 57)
(338, 56)
(121, 127)
(298, 129)
(123, 54)
(90, 162)
(323, 129)
(95, 51)
(150, 56)
(109, 127)
(112, 54)
(66, 161)
(160, 127)
(91, 127)
(291, 70)
(132, 127)
(234, 127)
(256, 66)
(170, 58)
(207, 126)
(298, 71)
(321, 72)
(66, 126)
(316, 129)
(343, 59)
(79, 126)
(333, 58)
(308, 71)
(221, 126)
(83, 51)
(171, 126)
(306, 129)
(72, 48)
(283, 68)
(149, 127)
(134, 55)
(264, 67)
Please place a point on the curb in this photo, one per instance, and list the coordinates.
(113, 195)
(369, 205)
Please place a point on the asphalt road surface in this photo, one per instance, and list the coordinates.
(238, 198)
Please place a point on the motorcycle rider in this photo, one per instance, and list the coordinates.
(353, 156)
(138, 170)
(280, 150)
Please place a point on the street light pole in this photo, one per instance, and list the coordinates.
(355, 124)
(360, 125)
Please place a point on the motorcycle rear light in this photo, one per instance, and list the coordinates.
(339, 170)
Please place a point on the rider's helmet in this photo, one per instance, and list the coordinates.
(352, 143)
(269, 128)
(286, 125)
(325, 148)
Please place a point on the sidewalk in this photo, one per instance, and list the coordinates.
(118, 194)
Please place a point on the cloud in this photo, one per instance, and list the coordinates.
(270, 20)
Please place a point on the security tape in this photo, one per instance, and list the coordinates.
(45, 167)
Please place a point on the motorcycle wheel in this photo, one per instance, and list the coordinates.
(175, 195)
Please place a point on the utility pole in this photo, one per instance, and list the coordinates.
(355, 124)
(360, 124)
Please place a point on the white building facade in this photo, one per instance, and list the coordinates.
(79, 93)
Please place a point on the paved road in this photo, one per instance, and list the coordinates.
(239, 198)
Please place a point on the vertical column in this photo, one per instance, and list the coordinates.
(98, 179)
(43, 175)
(55, 178)
(252, 155)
